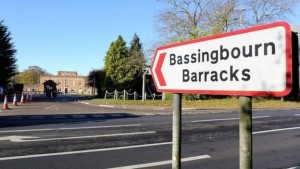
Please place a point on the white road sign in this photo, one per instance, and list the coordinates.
(252, 62)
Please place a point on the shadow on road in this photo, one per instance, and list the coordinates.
(30, 120)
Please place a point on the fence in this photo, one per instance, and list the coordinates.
(134, 96)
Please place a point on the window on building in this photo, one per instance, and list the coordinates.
(74, 82)
(79, 82)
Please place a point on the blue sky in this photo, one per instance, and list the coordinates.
(75, 35)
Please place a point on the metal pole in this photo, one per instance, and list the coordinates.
(144, 84)
(245, 132)
(176, 146)
(163, 96)
(134, 95)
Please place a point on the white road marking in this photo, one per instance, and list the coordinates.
(109, 106)
(187, 108)
(19, 139)
(297, 167)
(50, 107)
(83, 151)
(275, 130)
(227, 119)
(71, 128)
(297, 114)
(16, 138)
(154, 164)
(84, 103)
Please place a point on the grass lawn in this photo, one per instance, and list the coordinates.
(210, 103)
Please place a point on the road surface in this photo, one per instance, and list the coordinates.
(70, 134)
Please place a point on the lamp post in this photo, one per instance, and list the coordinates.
(240, 17)
(144, 84)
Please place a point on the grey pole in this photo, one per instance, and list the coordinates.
(144, 84)
(176, 146)
(163, 96)
(245, 132)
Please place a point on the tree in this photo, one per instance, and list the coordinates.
(260, 12)
(97, 77)
(114, 61)
(30, 76)
(136, 64)
(124, 66)
(8, 67)
(188, 19)
(184, 19)
(221, 18)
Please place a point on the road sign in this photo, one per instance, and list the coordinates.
(252, 62)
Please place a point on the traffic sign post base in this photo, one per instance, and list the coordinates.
(176, 146)
(245, 128)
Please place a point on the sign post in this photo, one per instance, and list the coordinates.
(250, 62)
(176, 137)
(245, 128)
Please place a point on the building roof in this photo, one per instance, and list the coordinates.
(49, 82)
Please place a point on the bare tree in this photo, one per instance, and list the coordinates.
(260, 12)
(183, 20)
(188, 19)
(221, 17)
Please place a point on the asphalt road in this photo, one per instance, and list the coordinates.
(68, 134)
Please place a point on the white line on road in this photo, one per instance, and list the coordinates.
(84, 103)
(275, 130)
(50, 107)
(227, 119)
(83, 151)
(83, 137)
(297, 114)
(297, 167)
(73, 128)
(154, 164)
(109, 106)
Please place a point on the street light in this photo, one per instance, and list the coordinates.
(240, 19)
(144, 83)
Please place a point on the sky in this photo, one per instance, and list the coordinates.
(74, 35)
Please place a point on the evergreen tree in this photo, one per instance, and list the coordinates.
(7, 56)
(136, 63)
(115, 59)
(124, 66)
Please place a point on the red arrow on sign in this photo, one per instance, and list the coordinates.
(158, 72)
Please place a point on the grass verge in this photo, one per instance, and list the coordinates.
(231, 103)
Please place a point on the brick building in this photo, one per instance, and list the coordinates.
(68, 82)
